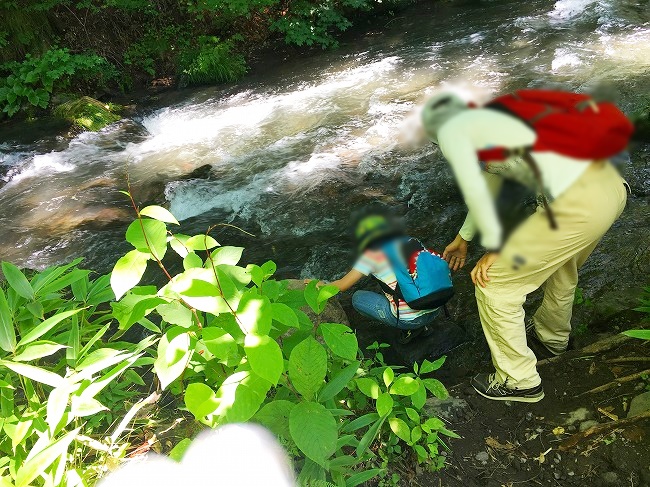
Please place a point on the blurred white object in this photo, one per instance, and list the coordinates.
(235, 455)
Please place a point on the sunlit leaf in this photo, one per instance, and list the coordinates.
(128, 271)
(240, 396)
(404, 386)
(265, 357)
(7, 332)
(285, 315)
(17, 280)
(384, 404)
(174, 352)
(314, 430)
(148, 236)
(34, 373)
(431, 366)
(369, 387)
(37, 350)
(33, 467)
(308, 367)
(436, 388)
(159, 213)
(255, 314)
(227, 255)
(340, 339)
(200, 400)
(400, 428)
(219, 342)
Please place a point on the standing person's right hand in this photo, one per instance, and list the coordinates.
(455, 253)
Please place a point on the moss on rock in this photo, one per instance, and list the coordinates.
(87, 113)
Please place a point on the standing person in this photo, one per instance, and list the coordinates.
(415, 282)
(586, 196)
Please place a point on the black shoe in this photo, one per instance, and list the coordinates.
(539, 349)
(487, 385)
(407, 336)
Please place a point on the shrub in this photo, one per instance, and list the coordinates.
(213, 61)
(33, 80)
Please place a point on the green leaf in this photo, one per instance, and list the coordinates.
(38, 350)
(82, 406)
(7, 331)
(148, 236)
(420, 397)
(369, 437)
(311, 295)
(46, 326)
(436, 388)
(324, 294)
(340, 339)
(413, 415)
(200, 400)
(422, 453)
(416, 434)
(17, 280)
(446, 432)
(361, 477)
(192, 260)
(338, 383)
(255, 314)
(37, 465)
(384, 404)
(174, 352)
(128, 271)
(175, 313)
(314, 430)
(218, 342)
(179, 450)
(285, 315)
(265, 357)
(201, 295)
(135, 306)
(360, 422)
(159, 213)
(275, 416)
(57, 402)
(433, 424)
(308, 367)
(269, 268)
(388, 376)
(201, 242)
(369, 387)
(227, 255)
(257, 274)
(642, 334)
(34, 373)
(428, 367)
(400, 428)
(404, 386)
(240, 396)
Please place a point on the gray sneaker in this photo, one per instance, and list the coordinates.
(488, 386)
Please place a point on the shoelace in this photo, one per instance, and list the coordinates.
(495, 384)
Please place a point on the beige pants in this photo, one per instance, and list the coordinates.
(536, 255)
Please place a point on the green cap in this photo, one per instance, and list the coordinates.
(370, 229)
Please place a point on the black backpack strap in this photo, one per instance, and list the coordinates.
(395, 293)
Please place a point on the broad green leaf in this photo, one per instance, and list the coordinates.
(361, 477)
(436, 388)
(159, 213)
(311, 295)
(17, 280)
(82, 406)
(37, 350)
(369, 437)
(269, 268)
(57, 402)
(404, 386)
(431, 366)
(338, 383)
(177, 242)
(98, 360)
(34, 373)
(422, 453)
(148, 236)
(324, 294)
(308, 367)
(218, 342)
(200, 400)
(19, 432)
(265, 357)
(416, 434)
(174, 352)
(67, 280)
(255, 314)
(128, 271)
(135, 306)
(388, 376)
(400, 428)
(413, 415)
(257, 274)
(314, 431)
(433, 424)
(384, 404)
(340, 339)
(201, 295)
(369, 387)
(419, 398)
(227, 255)
(7, 331)
(201, 242)
(192, 260)
(642, 334)
(35, 466)
(42, 328)
(285, 315)
(35, 308)
(179, 450)
(240, 396)
(175, 313)
(237, 276)
(275, 416)
(360, 422)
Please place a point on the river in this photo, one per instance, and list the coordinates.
(297, 146)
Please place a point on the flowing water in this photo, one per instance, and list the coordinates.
(299, 145)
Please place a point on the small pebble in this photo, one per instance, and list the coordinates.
(482, 456)
(570, 473)
(557, 475)
(558, 457)
(443, 453)
(571, 429)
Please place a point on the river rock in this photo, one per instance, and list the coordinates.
(86, 113)
(639, 404)
(333, 312)
(482, 457)
(448, 409)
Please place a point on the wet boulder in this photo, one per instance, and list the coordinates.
(86, 113)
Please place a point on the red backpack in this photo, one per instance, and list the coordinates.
(571, 124)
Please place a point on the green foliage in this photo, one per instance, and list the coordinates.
(580, 298)
(87, 113)
(33, 80)
(212, 61)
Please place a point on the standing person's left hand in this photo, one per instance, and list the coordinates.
(480, 272)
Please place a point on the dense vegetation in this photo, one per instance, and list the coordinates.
(224, 342)
(50, 47)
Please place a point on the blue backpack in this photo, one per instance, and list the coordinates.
(423, 278)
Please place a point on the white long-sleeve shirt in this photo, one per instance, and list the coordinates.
(475, 129)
